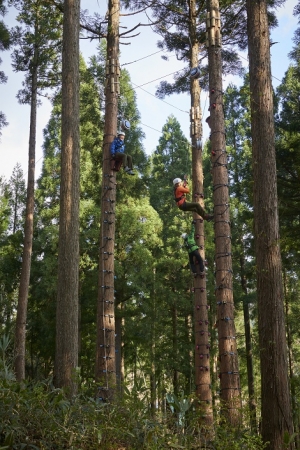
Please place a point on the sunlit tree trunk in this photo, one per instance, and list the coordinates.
(66, 357)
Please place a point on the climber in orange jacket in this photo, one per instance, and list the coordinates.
(180, 189)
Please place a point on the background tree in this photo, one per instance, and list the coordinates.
(238, 132)
(17, 199)
(287, 151)
(32, 56)
(172, 158)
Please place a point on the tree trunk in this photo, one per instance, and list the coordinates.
(248, 342)
(20, 332)
(66, 358)
(229, 371)
(175, 349)
(153, 388)
(275, 394)
(105, 370)
(202, 362)
(291, 360)
(119, 348)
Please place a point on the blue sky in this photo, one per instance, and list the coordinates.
(144, 72)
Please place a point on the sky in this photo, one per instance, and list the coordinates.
(145, 71)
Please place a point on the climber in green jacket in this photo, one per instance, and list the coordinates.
(193, 250)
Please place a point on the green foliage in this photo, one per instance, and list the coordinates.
(5, 42)
(37, 45)
(6, 366)
(4, 208)
(38, 416)
(289, 439)
(11, 237)
(5, 38)
(288, 161)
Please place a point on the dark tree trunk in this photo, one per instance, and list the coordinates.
(20, 332)
(66, 358)
(275, 393)
(228, 359)
(175, 349)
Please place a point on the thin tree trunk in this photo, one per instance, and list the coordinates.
(66, 358)
(228, 358)
(291, 361)
(249, 357)
(20, 332)
(275, 394)
(153, 388)
(105, 370)
(175, 349)
(120, 321)
(17, 196)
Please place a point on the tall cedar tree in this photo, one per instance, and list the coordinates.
(228, 358)
(275, 393)
(201, 322)
(34, 56)
(66, 357)
(105, 367)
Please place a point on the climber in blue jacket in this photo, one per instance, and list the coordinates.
(117, 151)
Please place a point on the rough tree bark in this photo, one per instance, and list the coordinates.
(275, 393)
(66, 357)
(105, 370)
(228, 359)
(201, 322)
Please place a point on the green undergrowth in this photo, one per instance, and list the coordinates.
(39, 416)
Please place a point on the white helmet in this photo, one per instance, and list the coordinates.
(121, 133)
(184, 235)
(177, 180)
